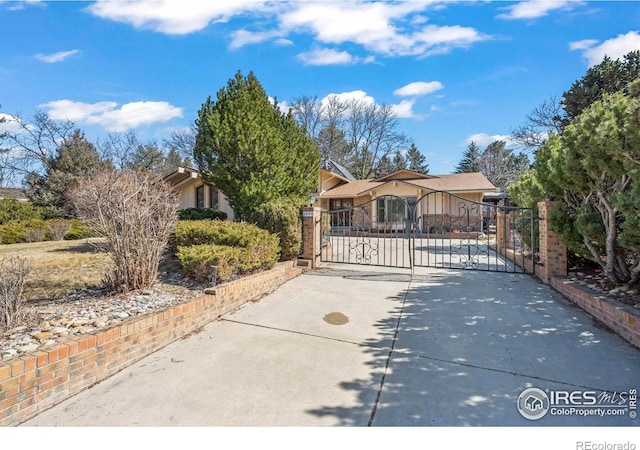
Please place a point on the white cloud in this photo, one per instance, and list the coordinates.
(419, 88)
(109, 116)
(386, 28)
(484, 139)
(172, 16)
(283, 106)
(20, 5)
(582, 45)
(373, 26)
(532, 9)
(330, 57)
(614, 48)
(404, 110)
(358, 96)
(56, 57)
(10, 124)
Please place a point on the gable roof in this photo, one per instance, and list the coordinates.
(182, 174)
(457, 182)
(403, 174)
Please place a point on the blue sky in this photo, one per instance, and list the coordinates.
(455, 71)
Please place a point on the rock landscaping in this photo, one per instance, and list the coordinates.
(87, 310)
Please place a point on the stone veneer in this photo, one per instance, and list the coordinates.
(32, 383)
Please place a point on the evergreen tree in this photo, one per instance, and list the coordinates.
(76, 158)
(416, 161)
(608, 77)
(470, 161)
(146, 157)
(385, 166)
(253, 152)
(399, 161)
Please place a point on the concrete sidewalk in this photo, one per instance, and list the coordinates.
(357, 346)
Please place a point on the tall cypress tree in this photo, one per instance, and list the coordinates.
(252, 151)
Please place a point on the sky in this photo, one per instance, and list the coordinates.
(454, 71)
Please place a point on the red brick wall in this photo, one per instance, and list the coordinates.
(622, 319)
(30, 384)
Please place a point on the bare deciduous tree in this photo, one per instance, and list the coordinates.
(546, 118)
(355, 133)
(136, 212)
(31, 145)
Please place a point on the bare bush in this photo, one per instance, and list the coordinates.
(136, 212)
(13, 277)
(58, 229)
(34, 234)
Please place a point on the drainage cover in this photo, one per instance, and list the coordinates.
(336, 318)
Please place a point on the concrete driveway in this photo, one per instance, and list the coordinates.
(357, 346)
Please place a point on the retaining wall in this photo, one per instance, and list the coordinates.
(31, 383)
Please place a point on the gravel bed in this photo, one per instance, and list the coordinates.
(87, 310)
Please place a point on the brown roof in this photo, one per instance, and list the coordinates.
(403, 174)
(457, 182)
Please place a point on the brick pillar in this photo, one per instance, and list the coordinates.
(503, 231)
(311, 235)
(553, 252)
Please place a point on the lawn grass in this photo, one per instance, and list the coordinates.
(57, 267)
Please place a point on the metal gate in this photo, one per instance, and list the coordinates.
(439, 229)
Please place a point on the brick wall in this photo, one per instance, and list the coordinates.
(622, 319)
(552, 270)
(32, 383)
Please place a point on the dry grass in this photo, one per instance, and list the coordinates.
(61, 265)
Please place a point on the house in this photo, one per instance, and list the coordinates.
(13, 193)
(387, 197)
(195, 193)
(390, 199)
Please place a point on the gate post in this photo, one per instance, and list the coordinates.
(553, 252)
(311, 235)
(503, 231)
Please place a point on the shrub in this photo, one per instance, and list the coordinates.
(197, 261)
(13, 276)
(236, 248)
(80, 230)
(135, 211)
(201, 214)
(12, 210)
(16, 232)
(281, 217)
(34, 234)
(58, 229)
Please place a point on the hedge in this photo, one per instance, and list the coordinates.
(282, 218)
(37, 230)
(201, 214)
(236, 248)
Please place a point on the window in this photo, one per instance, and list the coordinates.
(340, 203)
(342, 218)
(213, 199)
(200, 197)
(393, 211)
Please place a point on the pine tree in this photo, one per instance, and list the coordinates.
(399, 161)
(470, 161)
(253, 152)
(416, 161)
(76, 158)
